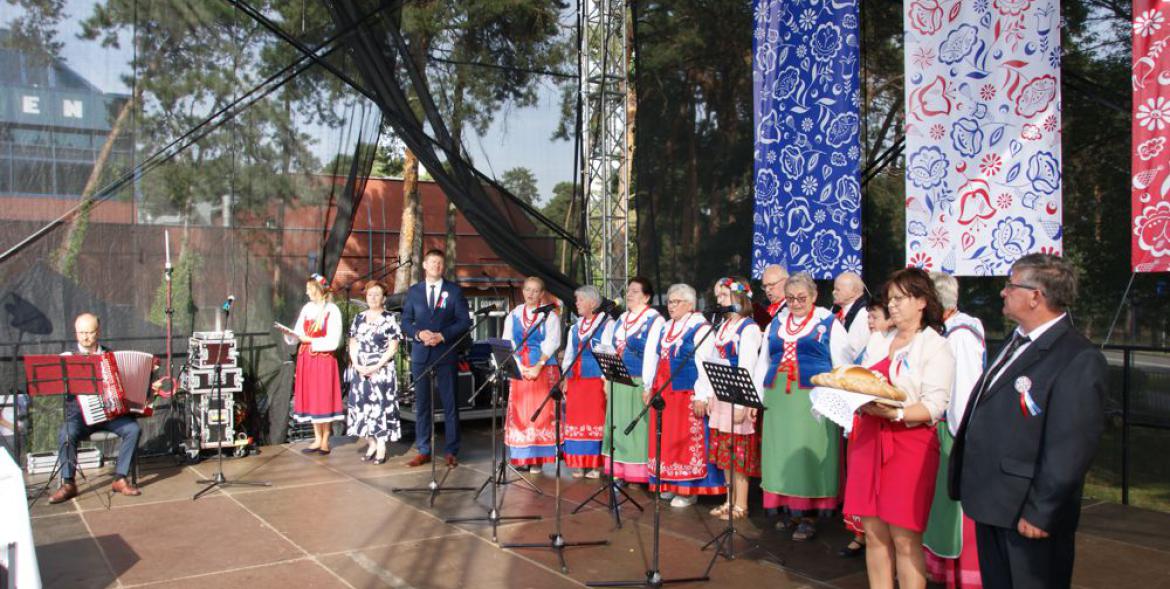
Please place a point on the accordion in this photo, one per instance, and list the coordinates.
(124, 388)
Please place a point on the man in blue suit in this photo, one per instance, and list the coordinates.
(434, 317)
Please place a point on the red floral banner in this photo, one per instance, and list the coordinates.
(1150, 250)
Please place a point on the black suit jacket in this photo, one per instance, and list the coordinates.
(1006, 464)
(452, 320)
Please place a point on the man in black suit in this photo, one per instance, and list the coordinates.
(1029, 433)
(434, 317)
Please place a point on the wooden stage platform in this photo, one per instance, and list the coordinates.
(333, 521)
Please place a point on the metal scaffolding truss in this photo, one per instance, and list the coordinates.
(606, 169)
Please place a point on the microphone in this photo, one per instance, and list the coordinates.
(721, 309)
(227, 305)
(486, 310)
(546, 309)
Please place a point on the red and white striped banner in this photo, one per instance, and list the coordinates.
(1150, 185)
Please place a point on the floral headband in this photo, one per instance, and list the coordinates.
(736, 286)
(320, 280)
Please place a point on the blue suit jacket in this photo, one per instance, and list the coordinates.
(452, 320)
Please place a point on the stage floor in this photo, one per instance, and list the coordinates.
(333, 521)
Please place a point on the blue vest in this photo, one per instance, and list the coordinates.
(588, 363)
(730, 350)
(533, 342)
(813, 354)
(683, 376)
(635, 343)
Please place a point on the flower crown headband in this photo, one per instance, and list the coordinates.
(320, 280)
(736, 286)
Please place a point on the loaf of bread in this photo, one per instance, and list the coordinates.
(859, 379)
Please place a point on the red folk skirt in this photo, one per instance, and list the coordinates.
(892, 472)
(531, 442)
(684, 444)
(317, 389)
(584, 421)
(747, 452)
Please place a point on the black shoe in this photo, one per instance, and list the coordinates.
(850, 551)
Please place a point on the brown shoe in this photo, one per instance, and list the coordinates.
(419, 460)
(124, 487)
(64, 493)
(452, 462)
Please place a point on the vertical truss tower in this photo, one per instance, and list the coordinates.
(606, 167)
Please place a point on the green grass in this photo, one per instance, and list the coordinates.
(1149, 469)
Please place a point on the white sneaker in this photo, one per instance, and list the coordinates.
(667, 495)
(593, 474)
(680, 501)
(534, 468)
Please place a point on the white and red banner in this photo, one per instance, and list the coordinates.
(1150, 249)
(983, 161)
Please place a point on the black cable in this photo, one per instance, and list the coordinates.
(507, 68)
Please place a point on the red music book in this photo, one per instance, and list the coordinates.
(52, 374)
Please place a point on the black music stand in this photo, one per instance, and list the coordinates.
(501, 359)
(504, 363)
(732, 385)
(54, 375)
(614, 370)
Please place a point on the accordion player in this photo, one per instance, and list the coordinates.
(111, 413)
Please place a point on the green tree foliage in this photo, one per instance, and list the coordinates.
(521, 182)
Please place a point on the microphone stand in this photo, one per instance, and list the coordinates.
(219, 480)
(654, 577)
(434, 487)
(493, 516)
(556, 540)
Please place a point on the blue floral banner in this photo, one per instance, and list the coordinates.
(983, 164)
(806, 65)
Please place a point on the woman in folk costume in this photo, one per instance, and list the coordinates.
(685, 470)
(535, 339)
(633, 337)
(799, 452)
(894, 455)
(584, 389)
(317, 389)
(737, 343)
(951, 555)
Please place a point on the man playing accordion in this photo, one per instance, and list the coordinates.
(74, 429)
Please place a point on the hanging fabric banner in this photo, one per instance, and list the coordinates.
(805, 74)
(1150, 247)
(983, 163)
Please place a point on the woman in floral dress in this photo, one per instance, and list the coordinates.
(372, 410)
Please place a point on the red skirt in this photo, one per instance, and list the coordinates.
(684, 445)
(584, 421)
(892, 472)
(747, 452)
(317, 390)
(531, 442)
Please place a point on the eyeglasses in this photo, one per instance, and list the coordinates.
(801, 299)
(1020, 285)
(676, 301)
(897, 299)
(771, 284)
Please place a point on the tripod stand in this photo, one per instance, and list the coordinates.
(496, 479)
(732, 385)
(219, 480)
(615, 371)
(434, 487)
(556, 539)
(654, 577)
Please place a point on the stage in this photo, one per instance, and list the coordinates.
(333, 521)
